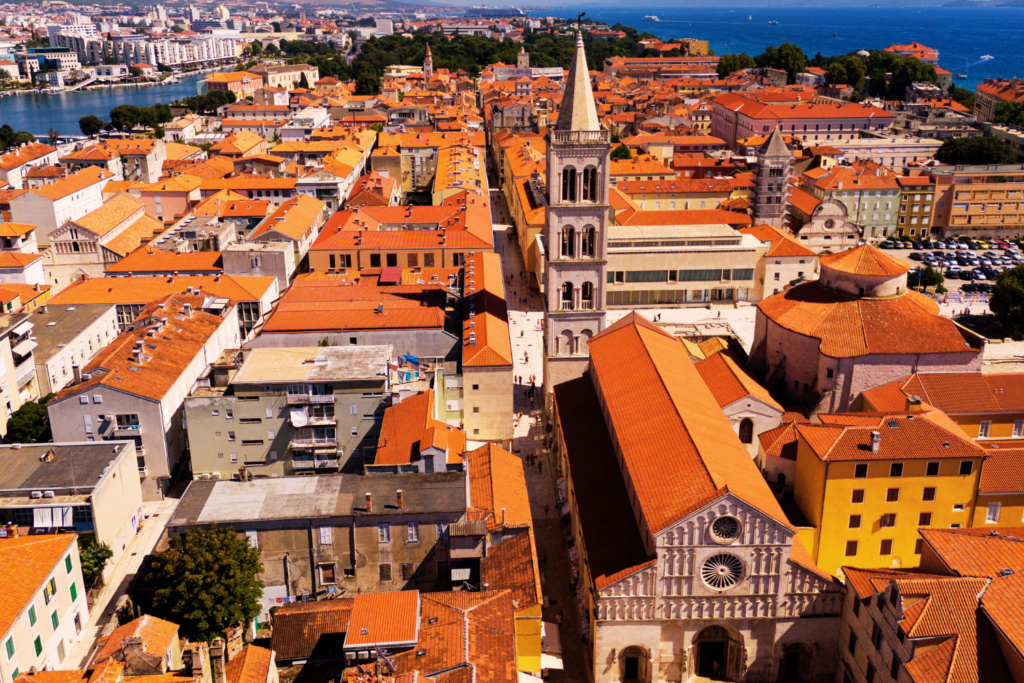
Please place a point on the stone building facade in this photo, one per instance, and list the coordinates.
(774, 168)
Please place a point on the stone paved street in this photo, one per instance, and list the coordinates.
(528, 442)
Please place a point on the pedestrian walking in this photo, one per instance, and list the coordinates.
(540, 466)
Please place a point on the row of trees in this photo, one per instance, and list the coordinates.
(12, 138)
(976, 150)
(208, 103)
(890, 74)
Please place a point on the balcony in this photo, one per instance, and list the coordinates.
(303, 399)
(326, 463)
(306, 444)
(304, 464)
(26, 372)
(126, 430)
(578, 137)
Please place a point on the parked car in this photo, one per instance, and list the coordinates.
(914, 256)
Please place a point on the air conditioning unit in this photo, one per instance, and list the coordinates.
(37, 494)
(215, 475)
(205, 476)
(47, 494)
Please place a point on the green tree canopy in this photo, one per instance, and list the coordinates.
(304, 82)
(621, 152)
(12, 138)
(90, 125)
(94, 558)
(207, 103)
(729, 63)
(1010, 112)
(205, 581)
(1007, 301)
(30, 423)
(787, 57)
(976, 150)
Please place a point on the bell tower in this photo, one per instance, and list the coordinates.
(428, 65)
(575, 235)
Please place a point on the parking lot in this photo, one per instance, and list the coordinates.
(976, 267)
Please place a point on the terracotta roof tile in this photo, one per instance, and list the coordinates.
(729, 383)
(384, 619)
(782, 243)
(403, 426)
(865, 260)
(251, 665)
(1003, 472)
(512, 564)
(24, 155)
(72, 183)
(147, 260)
(26, 563)
(485, 336)
(904, 436)
(303, 629)
(497, 484)
(148, 289)
(157, 635)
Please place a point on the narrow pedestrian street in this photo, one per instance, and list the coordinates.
(526, 313)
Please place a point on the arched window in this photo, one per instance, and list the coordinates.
(747, 430)
(590, 184)
(565, 343)
(587, 248)
(568, 184)
(567, 296)
(587, 296)
(569, 242)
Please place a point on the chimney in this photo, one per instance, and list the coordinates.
(401, 500)
(195, 661)
(913, 404)
(77, 371)
(187, 310)
(217, 649)
(233, 636)
(12, 530)
(876, 440)
(369, 502)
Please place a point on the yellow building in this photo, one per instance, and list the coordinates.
(867, 483)
(1001, 489)
(988, 408)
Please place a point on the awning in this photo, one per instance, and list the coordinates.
(50, 517)
(550, 661)
(527, 678)
(299, 417)
(461, 573)
(550, 646)
(23, 328)
(25, 347)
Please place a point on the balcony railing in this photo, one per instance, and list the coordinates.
(313, 443)
(586, 305)
(310, 398)
(303, 464)
(575, 137)
(327, 464)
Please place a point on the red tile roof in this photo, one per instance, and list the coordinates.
(849, 327)
(954, 392)
(157, 636)
(512, 564)
(251, 665)
(782, 243)
(302, 628)
(865, 260)
(1003, 472)
(403, 427)
(729, 382)
(925, 435)
(384, 619)
(485, 335)
(26, 563)
(145, 260)
(497, 485)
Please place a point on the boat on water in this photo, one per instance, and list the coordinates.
(750, 17)
(987, 57)
(651, 17)
(963, 76)
(773, 23)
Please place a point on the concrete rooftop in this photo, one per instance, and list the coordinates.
(314, 364)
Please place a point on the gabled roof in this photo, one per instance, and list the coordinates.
(72, 183)
(24, 155)
(404, 425)
(485, 340)
(157, 637)
(497, 485)
(923, 435)
(677, 445)
(729, 382)
(306, 629)
(146, 260)
(782, 243)
(26, 563)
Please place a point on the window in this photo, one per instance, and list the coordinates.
(929, 494)
(442, 530)
(1018, 427)
(851, 548)
(966, 467)
(885, 547)
(860, 471)
(229, 414)
(328, 573)
(67, 563)
(869, 675)
(829, 373)
(983, 429)
(385, 571)
(476, 387)
(253, 539)
(932, 469)
(231, 436)
(892, 496)
(10, 647)
(918, 546)
(992, 514)
(39, 646)
(852, 645)
(856, 607)
(55, 620)
(958, 508)
(32, 615)
(747, 430)
(414, 532)
(384, 533)
(924, 519)
(876, 636)
(894, 670)
(858, 496)
(889, 519)
(49, 590)
(326, 535)
(896, 469)
(854, 521)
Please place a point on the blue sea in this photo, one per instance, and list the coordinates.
(960, 34)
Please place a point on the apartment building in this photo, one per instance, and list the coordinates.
(891, 151)
(14, 165)
(169, 199)
(135, 388)
(21, 269)
(737, 116)
(867, 485)
(18, 237)
(47, 608)
(286, 76)
(993, 91)
(288, 411)
(917, 201)
(275, 191)
(84, 487)
(979, 201)
(242, 83)
(67, 199)
(67, 338)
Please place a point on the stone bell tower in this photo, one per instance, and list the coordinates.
(428, 65)
(575, 236)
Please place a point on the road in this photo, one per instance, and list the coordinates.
(528, 442)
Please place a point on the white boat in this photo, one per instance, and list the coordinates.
(651, 17)
(773, 23)
(750, 17)
(987, 57)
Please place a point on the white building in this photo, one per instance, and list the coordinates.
(50, 206)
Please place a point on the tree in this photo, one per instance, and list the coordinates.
(963, 96)
(1010, 112)
(205, 581)
(125, 117)
(53, 135)
(94, 558)
(4, 77)
(848, 70)
(90, 125)
(729, 63)
(304, 82)
(256, 47)
(30, 423)
(976, 150)
(1007, 301)
(135, 71)
(787, 57)
(929, 277)
(621, 152)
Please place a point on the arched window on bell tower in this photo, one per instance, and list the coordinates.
(569, 242)
(567, 302)
(588, 245)
(568, 184)
(590, 184)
